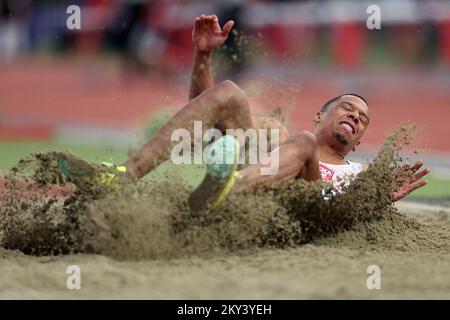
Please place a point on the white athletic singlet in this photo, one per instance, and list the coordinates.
(339, 175)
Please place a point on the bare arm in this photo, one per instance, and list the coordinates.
(206, 36)
(201, 77)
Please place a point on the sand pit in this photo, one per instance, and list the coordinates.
(310, 271)
(143, 242)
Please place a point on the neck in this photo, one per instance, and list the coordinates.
(329, 155)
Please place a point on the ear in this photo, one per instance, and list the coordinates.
(354, 148)
(316, 118)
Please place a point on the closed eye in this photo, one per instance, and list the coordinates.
(364, 120)
(347, 107)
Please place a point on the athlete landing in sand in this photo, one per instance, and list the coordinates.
(339, 126)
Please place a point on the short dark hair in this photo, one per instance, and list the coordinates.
(330, 102)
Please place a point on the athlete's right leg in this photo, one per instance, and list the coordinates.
(224, 106)
(296, 159)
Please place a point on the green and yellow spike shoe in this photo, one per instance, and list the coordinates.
(221, 173)
(108, 179)
(111, 179)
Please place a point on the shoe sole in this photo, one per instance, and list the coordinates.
(215, 186)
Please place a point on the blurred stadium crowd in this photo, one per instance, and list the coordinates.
(157, 34)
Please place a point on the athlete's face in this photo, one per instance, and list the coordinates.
(344, 122)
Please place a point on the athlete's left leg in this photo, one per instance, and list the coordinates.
(224, 105)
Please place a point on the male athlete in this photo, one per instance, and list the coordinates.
(339, 126)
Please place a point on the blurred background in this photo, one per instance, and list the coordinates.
(102, 90)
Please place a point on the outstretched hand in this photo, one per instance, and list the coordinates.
(207, 34)
(410, 176)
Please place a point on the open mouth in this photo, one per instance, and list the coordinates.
(347, 126)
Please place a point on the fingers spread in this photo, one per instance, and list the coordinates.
(409, 172)
(212, 21)
(421, 173)
(417, 166)
(417, 185)
(227, 27)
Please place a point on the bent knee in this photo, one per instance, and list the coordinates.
(228, 85)
(229, 91)
(302, 142)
